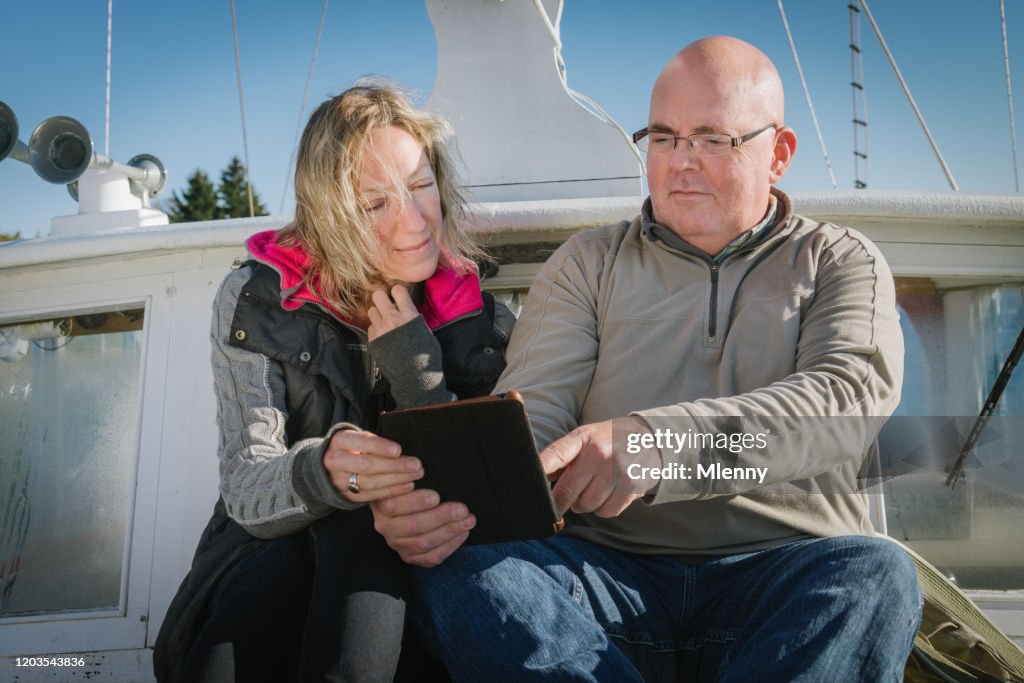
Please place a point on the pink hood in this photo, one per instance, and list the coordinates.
(447, 294)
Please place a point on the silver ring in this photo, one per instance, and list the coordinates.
(353, 483)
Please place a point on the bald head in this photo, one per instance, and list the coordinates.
(734, 69)
(717, 86)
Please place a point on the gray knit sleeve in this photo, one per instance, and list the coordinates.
(270, 487)
(409, 356)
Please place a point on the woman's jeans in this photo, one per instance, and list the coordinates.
(832, 609)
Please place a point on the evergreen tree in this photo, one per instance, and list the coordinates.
(197, 203)
(234, 194)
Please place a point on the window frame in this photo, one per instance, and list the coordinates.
(125, 626)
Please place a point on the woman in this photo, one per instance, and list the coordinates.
(367, 301)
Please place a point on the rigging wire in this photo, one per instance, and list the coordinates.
(106, 118)
(241, 107)
(1009, 96)
(860, 100)
(302, 109)
(580, 98)
(549, 26)
(906, 91)
(807, 94)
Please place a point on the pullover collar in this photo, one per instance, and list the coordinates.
(777, 214)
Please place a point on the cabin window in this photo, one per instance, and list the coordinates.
(958, 335)
(69, 425)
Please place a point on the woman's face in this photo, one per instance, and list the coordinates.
(397, 187)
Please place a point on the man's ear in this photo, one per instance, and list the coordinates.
(785, 148)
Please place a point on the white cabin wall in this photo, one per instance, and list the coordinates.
(188, 479)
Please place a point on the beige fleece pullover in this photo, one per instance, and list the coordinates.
(802, 322)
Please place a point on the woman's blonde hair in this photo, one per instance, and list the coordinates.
(330, 221)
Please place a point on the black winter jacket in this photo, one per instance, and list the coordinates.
(327, 383)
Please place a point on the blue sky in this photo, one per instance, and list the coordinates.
(174, 91)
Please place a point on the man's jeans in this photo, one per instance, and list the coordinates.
(833, 609)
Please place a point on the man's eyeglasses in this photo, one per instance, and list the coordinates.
(701, 144)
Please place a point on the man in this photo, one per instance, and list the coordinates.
(716, 301)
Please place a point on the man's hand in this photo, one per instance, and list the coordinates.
(380, 468)
(592, 477)
(421, 529)
(389, 312)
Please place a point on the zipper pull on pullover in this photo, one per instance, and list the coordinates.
(713, 307)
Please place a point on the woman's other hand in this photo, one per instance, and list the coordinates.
(390, 312)
(364, 467)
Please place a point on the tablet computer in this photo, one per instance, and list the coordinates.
(480, 452)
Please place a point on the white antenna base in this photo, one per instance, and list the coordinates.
(106, 203)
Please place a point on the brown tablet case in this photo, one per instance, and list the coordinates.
(480, 452)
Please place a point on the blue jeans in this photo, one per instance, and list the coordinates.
(817, 610)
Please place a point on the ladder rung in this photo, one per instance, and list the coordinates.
(860, 154)
(859, 185)
(854, 48)
(853, 7)
(858, 122)
(856, 85)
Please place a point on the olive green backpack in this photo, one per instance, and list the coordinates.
(956, 641)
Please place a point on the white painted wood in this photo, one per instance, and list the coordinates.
(188, 480)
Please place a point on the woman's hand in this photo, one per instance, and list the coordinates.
(388, 313)
(364, 467)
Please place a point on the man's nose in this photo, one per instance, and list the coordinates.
(682, 157)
